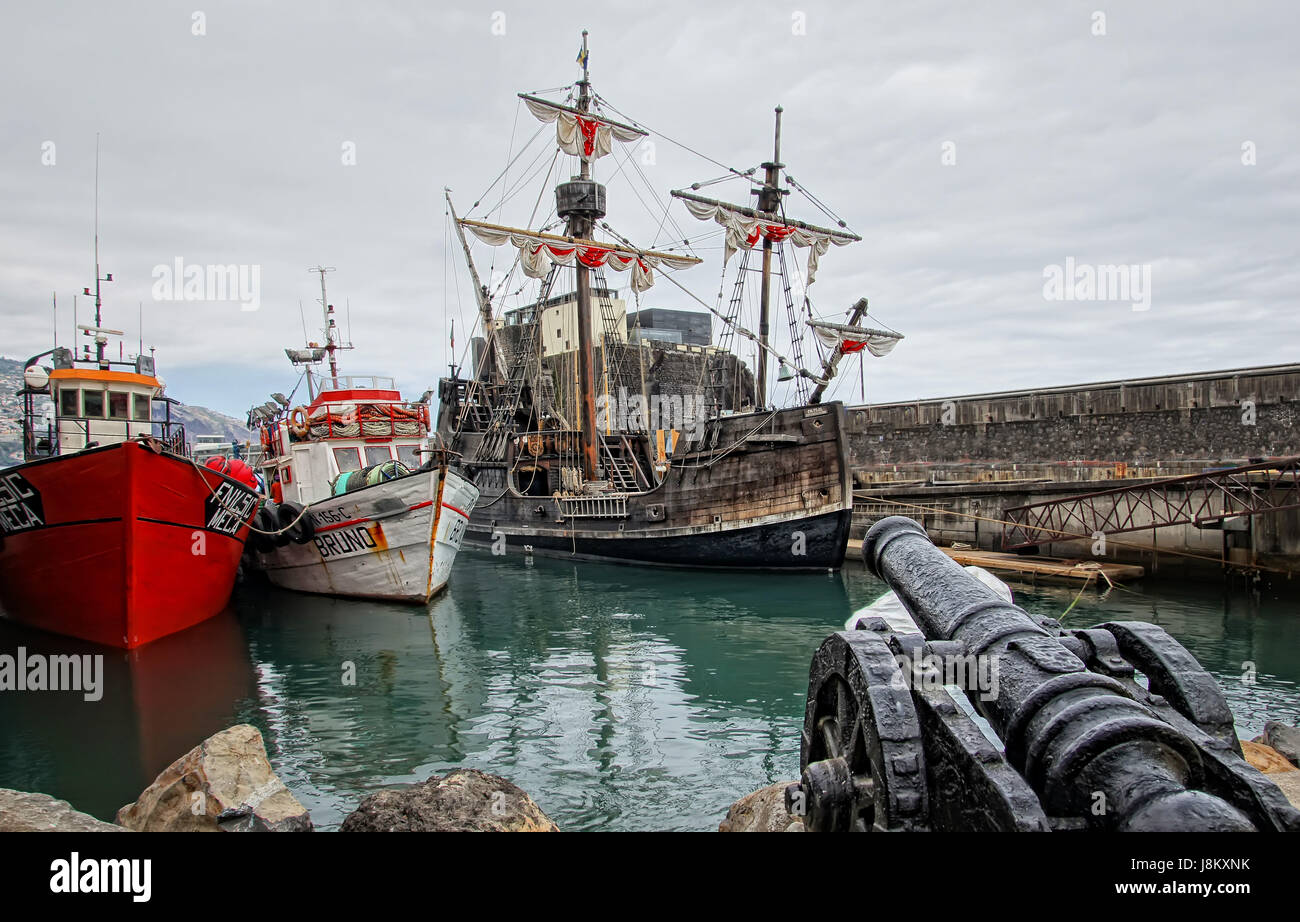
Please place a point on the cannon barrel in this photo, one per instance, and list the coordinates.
(1080, 739)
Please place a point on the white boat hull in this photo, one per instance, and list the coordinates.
(395, 540)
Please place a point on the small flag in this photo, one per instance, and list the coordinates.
(582, 58)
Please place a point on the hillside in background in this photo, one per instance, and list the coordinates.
(197, 420)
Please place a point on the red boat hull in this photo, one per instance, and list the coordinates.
(119, 545)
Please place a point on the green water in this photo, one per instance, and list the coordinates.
(618, 697)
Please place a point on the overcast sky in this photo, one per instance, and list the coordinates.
(971, 145)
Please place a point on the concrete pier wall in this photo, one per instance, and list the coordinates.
(958, 463)
(1223, 415)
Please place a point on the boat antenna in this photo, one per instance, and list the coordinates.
(100, 340)
(55, 295)
(330, 328)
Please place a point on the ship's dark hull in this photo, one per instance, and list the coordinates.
(765, 491)
(763, 547)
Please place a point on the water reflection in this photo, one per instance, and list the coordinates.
(618, 697)
(159, 701)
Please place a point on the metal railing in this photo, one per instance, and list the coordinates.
(36, 445)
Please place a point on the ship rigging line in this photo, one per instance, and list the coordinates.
(737, 328)
(636, 192)
(502, 174)
(817, 202)
(644, 127)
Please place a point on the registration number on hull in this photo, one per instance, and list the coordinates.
(345, 542)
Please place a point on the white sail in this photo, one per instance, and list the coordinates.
(538, 252)
(580, 134)
(745, 228)
(850, 339)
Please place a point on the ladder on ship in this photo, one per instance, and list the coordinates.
(621, 466)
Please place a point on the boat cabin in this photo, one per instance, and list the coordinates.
(352, 422)
(92, 406)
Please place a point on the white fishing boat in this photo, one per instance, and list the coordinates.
(359, 504)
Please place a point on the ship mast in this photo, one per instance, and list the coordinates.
(330, 345)
(769, 200)
(488, 365)
(100, 339)
(581, 201)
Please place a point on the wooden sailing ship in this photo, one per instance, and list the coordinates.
(721, 479)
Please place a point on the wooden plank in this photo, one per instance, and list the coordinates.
(1045, 568)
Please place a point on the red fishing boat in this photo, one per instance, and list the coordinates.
(109, 531)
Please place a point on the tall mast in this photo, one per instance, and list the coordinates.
(488, 367)
(769, 200)
(100, 339)
(330, 328)
(582, 202)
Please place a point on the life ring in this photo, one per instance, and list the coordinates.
(298, 422)
(298, 528)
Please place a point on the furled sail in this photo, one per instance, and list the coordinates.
(580, 133)
(538, 252)
(850, 339)
(745, 227)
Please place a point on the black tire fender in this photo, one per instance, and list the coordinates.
(300, 531)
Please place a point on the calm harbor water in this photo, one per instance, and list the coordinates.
(617, 697)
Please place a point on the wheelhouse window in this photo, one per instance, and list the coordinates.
(119, 405)
(348, 459)
(409, 455)
(143, 411)
(378, 454)
(92, 404)
(69, 401)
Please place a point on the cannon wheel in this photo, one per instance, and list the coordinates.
(862, 757)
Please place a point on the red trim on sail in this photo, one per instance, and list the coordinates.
(592, 257)
(588, 128)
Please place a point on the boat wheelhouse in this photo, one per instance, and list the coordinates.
(351, 423)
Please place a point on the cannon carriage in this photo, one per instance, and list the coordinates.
(892, 737)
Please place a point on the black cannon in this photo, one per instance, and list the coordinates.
(1084, 746)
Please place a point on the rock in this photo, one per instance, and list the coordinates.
(762, 811)
(1284, 739)
(1265, 758)
(465, 800)
(225, 784)
(1289, 782)
(23, 812)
